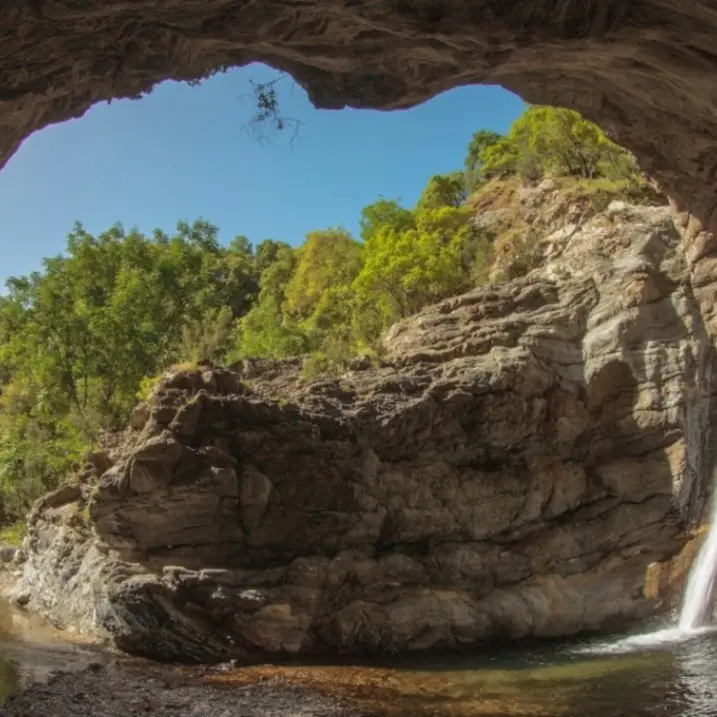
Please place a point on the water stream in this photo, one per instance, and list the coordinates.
(695, 617)
(698, 600)
(31, 650)
(567, 679)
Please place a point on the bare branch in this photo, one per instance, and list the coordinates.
(268, 118)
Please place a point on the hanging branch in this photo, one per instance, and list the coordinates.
(268, 118)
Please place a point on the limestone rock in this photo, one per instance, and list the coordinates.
(7, 553)
(523, 462)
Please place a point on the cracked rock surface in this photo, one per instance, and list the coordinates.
(520, 459)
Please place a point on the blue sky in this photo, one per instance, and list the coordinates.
(185, 152)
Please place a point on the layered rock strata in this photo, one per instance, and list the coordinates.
(513, 468)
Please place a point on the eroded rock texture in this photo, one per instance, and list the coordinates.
(525, 454)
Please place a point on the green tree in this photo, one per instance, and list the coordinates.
(443, 190)
(502, 158)
(327, 259)
(78, 338)
(208, 339)
(404, 271)
(266, 331)
(556, 141)
(267, 253)
(480, 142)
(382, 213)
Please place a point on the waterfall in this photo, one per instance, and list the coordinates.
(697, 602)
(696, 609)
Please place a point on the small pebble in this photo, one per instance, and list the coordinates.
(116, 691)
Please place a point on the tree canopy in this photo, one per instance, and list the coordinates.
(548, 140)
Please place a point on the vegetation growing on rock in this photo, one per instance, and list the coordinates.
(82, 338)
(549, 140)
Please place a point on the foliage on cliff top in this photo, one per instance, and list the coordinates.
(548, 140)
(79, 339)
(518, 218)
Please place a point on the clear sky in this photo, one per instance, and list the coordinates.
(185, 152)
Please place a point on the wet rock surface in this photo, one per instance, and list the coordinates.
(521, 458)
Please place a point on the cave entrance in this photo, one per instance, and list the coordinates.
(644, 71)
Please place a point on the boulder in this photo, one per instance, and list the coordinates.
(521, 464)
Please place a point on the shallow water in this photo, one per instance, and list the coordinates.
(30, 651)
(661, 675)
(635, 677)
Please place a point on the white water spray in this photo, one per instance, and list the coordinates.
(697, 603)
(699, 594)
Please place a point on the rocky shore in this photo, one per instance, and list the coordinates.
(121, 691)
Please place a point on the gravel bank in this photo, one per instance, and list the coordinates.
(120, 692)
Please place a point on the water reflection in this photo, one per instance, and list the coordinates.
(695, 679)
(677, 680)
(560, 685)
(10, 678)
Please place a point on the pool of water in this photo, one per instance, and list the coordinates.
(644, 679)
(657, 676)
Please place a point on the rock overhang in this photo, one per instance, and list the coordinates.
(643, 70)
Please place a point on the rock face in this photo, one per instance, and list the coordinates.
(526, 452)
(644, 70)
